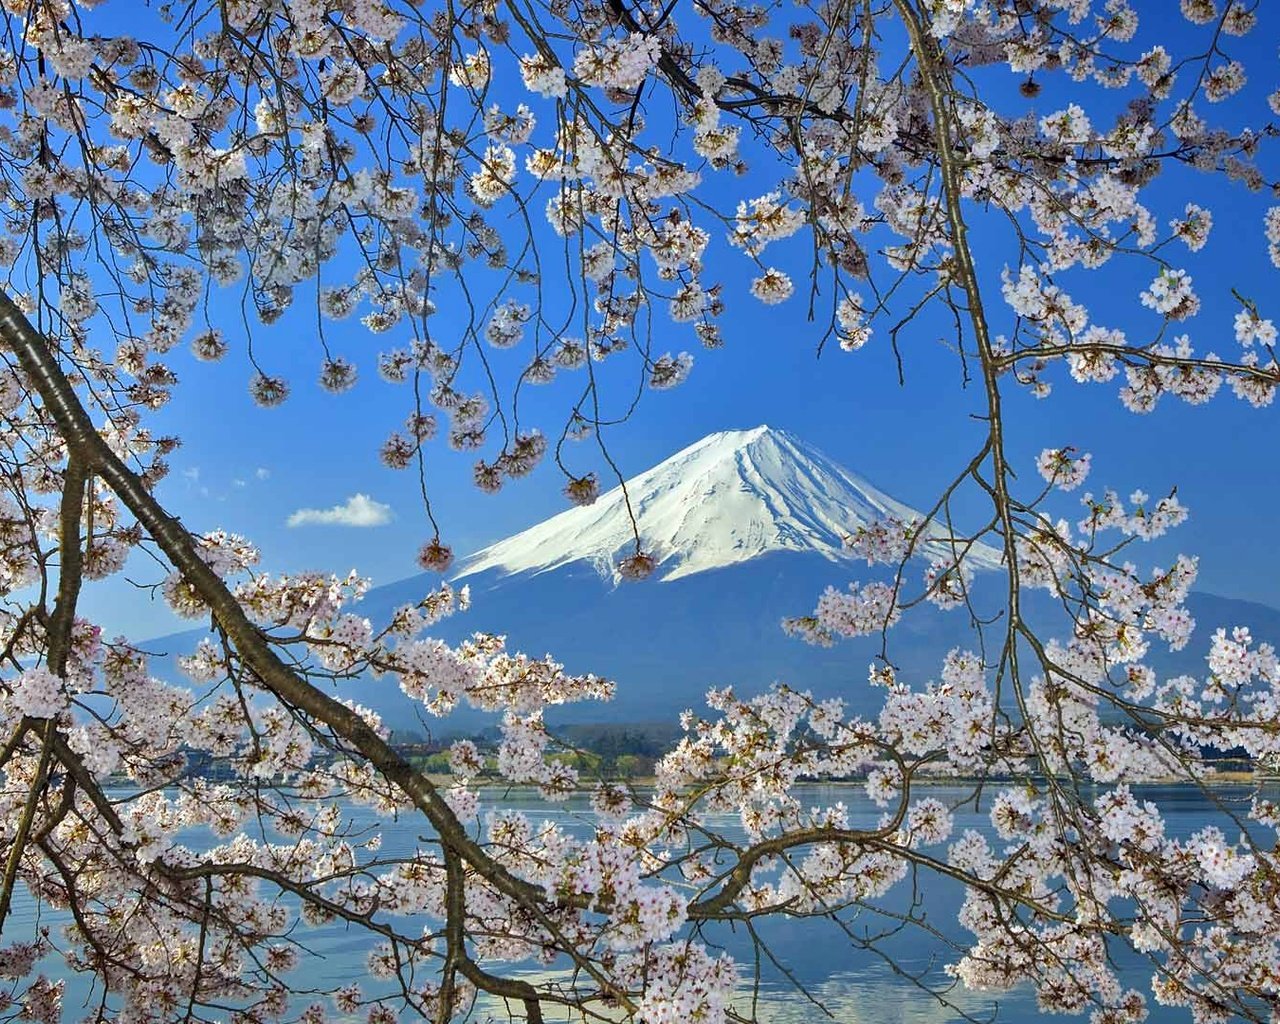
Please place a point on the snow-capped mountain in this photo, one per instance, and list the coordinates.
(732, 497)
(747, 526)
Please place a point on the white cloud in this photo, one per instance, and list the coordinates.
(357, 510)
(262, 472)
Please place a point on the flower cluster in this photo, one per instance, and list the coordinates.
(1062, 468)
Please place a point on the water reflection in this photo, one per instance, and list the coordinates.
(848, 984)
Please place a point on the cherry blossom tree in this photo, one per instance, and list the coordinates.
(554, 173)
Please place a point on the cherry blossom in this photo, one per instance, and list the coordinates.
(562, 195)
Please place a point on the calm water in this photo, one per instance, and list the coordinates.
(845, 983)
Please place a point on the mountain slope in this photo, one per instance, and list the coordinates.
(729, 498)
(665, 644)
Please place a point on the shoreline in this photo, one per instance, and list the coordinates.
(1219, 778)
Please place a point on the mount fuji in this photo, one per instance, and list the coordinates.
(730, 498)
(746, 528)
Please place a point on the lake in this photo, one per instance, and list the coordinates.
(844, 983)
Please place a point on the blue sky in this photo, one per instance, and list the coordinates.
(249, 469)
